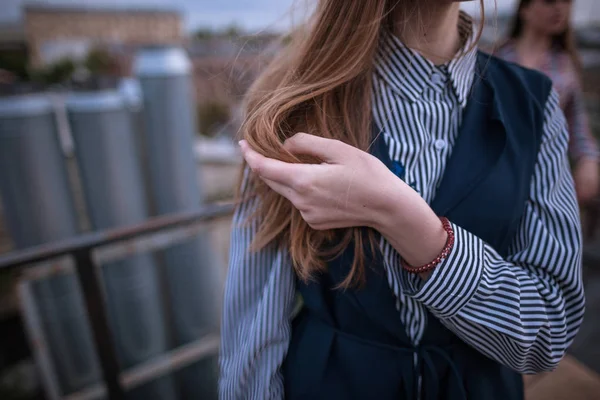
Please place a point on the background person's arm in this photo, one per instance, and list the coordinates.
(583, 147)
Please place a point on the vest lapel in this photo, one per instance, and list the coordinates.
(479, 145)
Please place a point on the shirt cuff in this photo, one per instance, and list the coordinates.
(454, 281)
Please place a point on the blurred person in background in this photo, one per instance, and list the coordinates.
(416, 194)
(541, 38)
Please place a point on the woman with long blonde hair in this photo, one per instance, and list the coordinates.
(415, 194)
(541, 37)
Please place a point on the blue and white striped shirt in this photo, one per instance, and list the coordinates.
(522, 310)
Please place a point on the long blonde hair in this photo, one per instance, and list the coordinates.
(320, 83)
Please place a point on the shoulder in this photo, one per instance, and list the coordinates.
(568, 69)
(505, 50)
(514, 83)
(524, 98)
(565, 60)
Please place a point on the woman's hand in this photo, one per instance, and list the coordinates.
(586, 179)
(352, 188)
(345, 190)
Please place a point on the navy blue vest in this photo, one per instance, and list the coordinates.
(351, 344)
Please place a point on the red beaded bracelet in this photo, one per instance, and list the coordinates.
(443, 254)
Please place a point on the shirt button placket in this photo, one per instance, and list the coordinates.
(440, 144)
(437, 80)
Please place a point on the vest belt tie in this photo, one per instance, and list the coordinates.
(424, 358)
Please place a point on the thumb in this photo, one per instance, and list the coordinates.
(328, 150)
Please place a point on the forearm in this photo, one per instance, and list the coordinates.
(523, 309)
(506, 308)
(412, 228)
(583, 147)
(513, 304)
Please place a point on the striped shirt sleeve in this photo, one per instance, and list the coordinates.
(256, 324)
(523, 310)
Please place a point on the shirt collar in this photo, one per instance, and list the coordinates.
(409, 73)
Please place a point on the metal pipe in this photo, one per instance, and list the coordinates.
(105, 145)
(171, 361)
(193, 274)
(34, 186)
(17, 259)
(39, 209)
(34, 332)
(105, 346)
(149, 236)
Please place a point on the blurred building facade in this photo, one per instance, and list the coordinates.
(224, 69)
(54, 32)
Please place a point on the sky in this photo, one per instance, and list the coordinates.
(252, 15)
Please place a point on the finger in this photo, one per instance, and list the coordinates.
(269, 168)
(283, 190)
(328, 150)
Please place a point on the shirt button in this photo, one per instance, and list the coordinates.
(440, 144)
(437, 79)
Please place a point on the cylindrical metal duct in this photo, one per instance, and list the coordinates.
(35, 189)
(193, 275)
(102, 129)
(167, 87)
(39, 208)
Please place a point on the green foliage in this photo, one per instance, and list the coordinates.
(59, 72)
(287, 39)
(97, 62)
(231, 32)
(15, 62)
(204, 33)
(211, 115)
(100, 62)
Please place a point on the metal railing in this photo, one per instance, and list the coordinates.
(87, 252)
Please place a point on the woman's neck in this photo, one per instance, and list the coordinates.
(432, 30)
(534, 40)
(532, 47)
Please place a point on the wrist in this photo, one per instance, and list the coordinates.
(410, 225)
(426, 269)
(391, 205)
